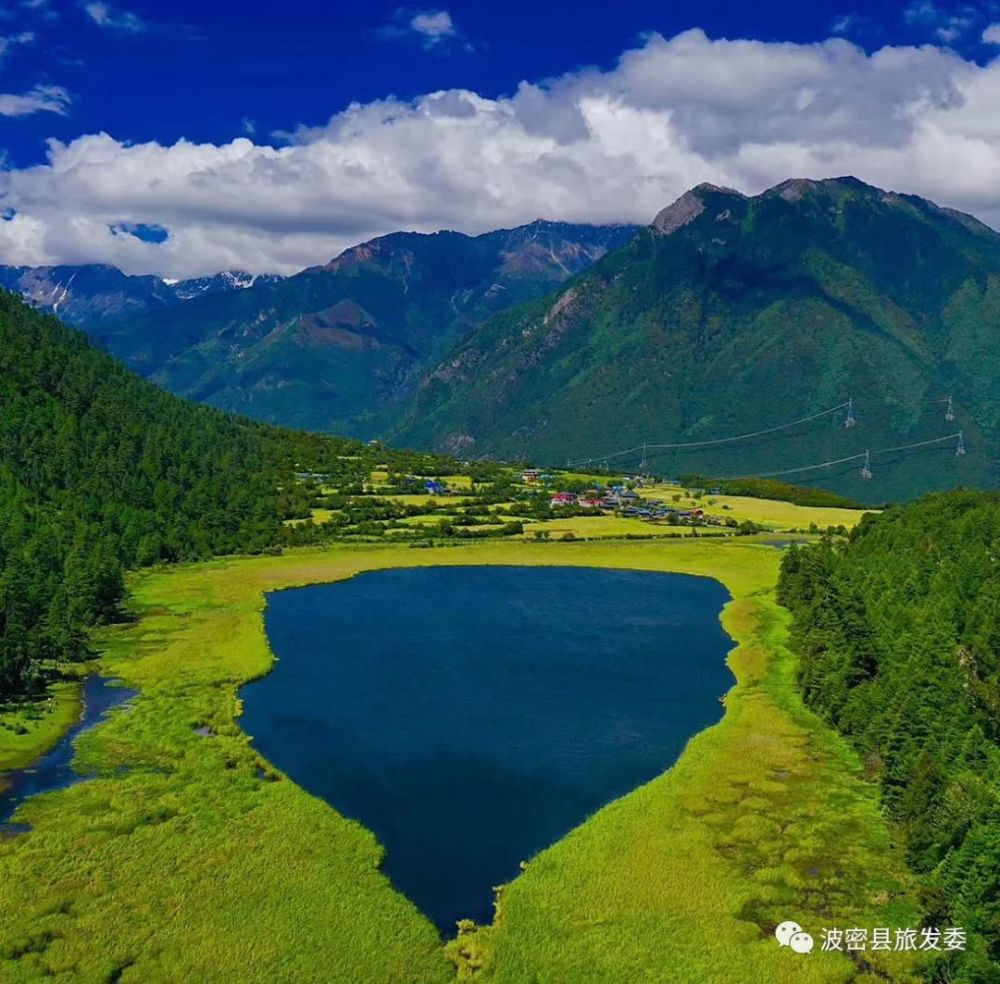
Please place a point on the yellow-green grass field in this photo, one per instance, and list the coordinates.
(457, 481)
(318, 516)
(421, 499)
(774, 514)
(427, 519)
(602, 525)
(381, 478)
(191, 859)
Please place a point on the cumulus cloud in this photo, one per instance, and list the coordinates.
(992, 34)
(40, 99)
(590, 146)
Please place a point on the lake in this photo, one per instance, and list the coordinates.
(471, 716)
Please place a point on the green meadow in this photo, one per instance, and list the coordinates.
(189, 858)
(28, 727)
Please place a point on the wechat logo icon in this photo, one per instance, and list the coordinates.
(791, 934)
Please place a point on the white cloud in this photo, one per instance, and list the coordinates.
(434, 25)
(591, 146)
(43, 98)
(845, 23)
(992, 34)
(6, 43)
(947, 26)
(434, 29)
(104, 15)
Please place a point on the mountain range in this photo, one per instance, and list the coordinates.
(94, 294)
(342, 347)
(728, 315)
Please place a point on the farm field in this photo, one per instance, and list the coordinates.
(600, 526)
(772, 513)
(427, 509)
(422, 500)
(765, 813)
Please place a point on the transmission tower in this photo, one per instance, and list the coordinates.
(644, 464)
(949, 414)
(960, 450)
(850, 422)
(866, 468)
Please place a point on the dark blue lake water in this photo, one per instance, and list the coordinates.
(54, 770)
(471, 716)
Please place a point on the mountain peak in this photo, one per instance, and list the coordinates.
(795, 188)
(707, 186)
(692, 203)
(688, 207)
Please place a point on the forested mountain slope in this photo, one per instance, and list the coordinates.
(101, 471)
(731, 315)
(898, 635)
(340, 347)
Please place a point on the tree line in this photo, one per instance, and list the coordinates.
(101, 472)
(898, 637)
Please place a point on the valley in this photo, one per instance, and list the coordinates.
(509, 443)
(499, 493)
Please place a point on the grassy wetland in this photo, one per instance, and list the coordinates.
(27, 728)
(188, 857)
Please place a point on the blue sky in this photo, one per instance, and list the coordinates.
(209, 71)
(283, 104)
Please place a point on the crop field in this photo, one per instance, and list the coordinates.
(427, 519)
(427, 510)
(772, 513)
(190, 858)
(422, 500)
(604, 525)
(318, 516)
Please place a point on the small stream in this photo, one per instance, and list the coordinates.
(54, 769)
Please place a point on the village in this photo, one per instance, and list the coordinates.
(490, 500)
(625, 500)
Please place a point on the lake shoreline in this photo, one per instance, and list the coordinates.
(591, 684)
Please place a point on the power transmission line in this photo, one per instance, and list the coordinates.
(866, 455)
(645, 448)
